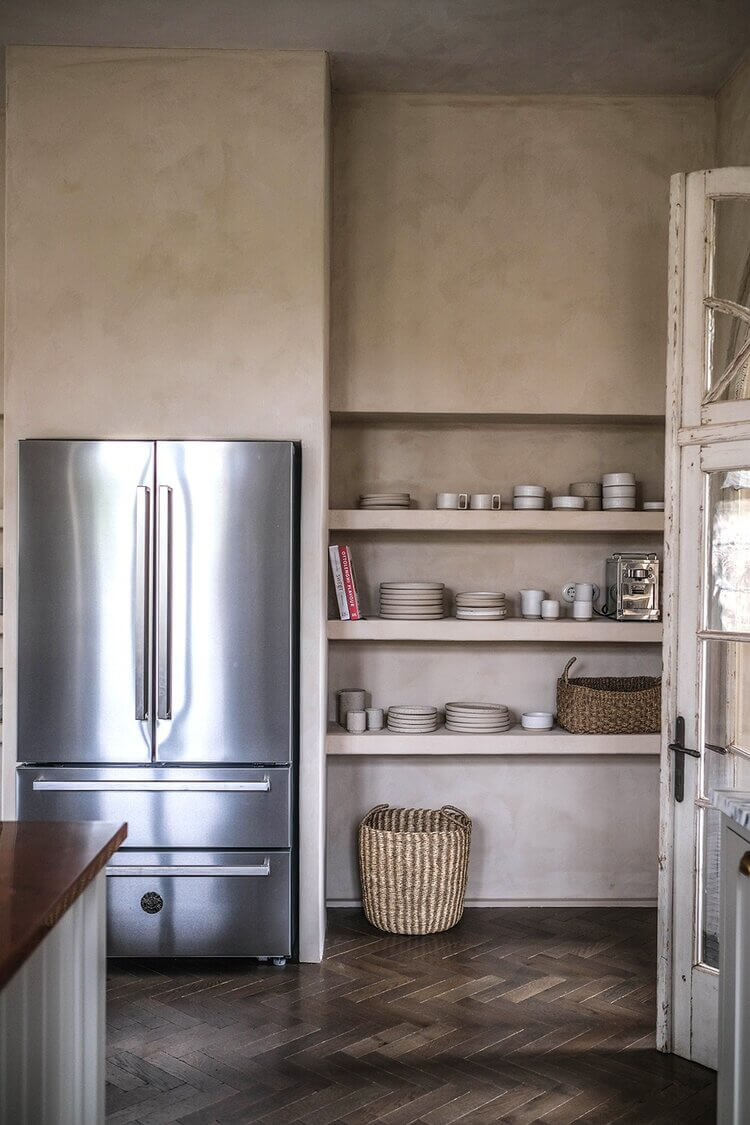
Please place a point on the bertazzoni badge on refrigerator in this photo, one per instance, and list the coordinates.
(157, 679)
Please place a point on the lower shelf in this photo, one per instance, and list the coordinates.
(515, 742)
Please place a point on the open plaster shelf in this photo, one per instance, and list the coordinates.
(449, 630)
(516, 742)
(457, 417)
(545, 522)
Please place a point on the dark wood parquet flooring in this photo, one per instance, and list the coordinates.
(517, 1016)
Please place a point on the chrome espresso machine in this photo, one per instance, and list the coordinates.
(632, 587)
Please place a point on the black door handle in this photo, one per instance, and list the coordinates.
(679, 750)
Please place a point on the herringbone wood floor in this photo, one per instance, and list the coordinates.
(514, 1016)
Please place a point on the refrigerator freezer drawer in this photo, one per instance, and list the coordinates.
(167, 808)
(199, 904)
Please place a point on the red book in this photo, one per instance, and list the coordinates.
(350, 586)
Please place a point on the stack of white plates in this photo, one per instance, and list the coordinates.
(411, 601)
(591, 491)
(480, 605)
(477, 718)
(385, 500)
(618, 492)
(528, 497)
(413, 720)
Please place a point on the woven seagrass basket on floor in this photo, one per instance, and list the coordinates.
(412, 867)
(608, 704)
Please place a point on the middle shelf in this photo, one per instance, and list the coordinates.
(515, 743)
(513, 630)
(544, 522)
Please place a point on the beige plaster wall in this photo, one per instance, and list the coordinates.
(733, 118)
(167, 276)
(505, 254)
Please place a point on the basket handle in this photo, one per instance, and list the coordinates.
(450, 810)
(567, 667)
(375, 809)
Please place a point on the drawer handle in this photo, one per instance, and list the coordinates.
(204, 870)
(55, 786)
(745, 864)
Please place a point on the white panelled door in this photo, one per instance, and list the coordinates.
(707, 588)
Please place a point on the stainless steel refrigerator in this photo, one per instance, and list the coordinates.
(157, 679)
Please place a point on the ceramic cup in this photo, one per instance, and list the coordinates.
(349, 699)
(374, 718)
(486, 500)
(550, 609)
(452, 500)
(356, 722)
(531, 602)
(583, 611)
(584, 592)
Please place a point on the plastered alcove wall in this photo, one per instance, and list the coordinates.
(505, 254)
(167, 276)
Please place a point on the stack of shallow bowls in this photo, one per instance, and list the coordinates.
(618, 492)
(653, 505)
(413, 720)
(528, 497)
(411, 601)
(385, 500)
(477, 718)
(591, 491)
(480, 605)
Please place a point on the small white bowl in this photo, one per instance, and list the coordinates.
(528, 503)
(623, 502)
(653, 505)
(611, 490)
(618, 478)
(529, 490)
(537, 720)
(568, 502)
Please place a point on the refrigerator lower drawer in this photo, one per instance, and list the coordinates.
(167, 807)
(199, 904)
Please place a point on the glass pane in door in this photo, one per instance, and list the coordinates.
(727, 334)
(725, 725)
(728, 551)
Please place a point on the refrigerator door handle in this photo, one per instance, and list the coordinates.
(164, 640)
(204, 870)
(135, 786)
(142, 600)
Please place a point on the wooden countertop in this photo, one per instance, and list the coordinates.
(44, 868)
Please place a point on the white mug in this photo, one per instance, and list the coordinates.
(584, 592)
(374, 718)
(531, 602)
(452, 500)
(356, 722)
(582, 610)
(550, 609)
(486, 500)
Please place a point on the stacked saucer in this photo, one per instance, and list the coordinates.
(618, 492)
(413, 720)
(528, 497)
(411, 601)
(385, 500)
(480, 605)
(477, 718)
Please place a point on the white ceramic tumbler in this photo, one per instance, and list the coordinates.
(349, 699)
(374, 718)
(550, 609)
(584, 592)
(583, 611)
(356, 722)
(531, 602)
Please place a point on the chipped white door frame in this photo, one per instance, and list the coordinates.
(701, 435)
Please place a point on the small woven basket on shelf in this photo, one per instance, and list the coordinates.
(608, 704)
(412, 867)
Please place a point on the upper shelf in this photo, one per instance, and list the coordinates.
(512, 630)
(457, 418)
(561, 522)
(513, 743)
